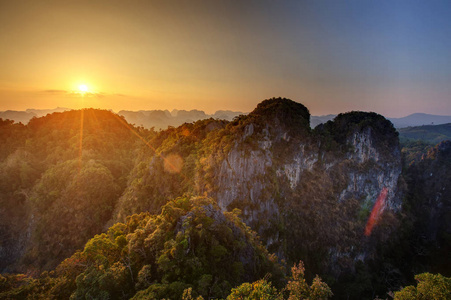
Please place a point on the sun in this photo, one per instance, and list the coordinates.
(83, 88)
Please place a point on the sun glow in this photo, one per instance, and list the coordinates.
(83, 88)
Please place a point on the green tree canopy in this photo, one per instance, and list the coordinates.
(429, 287)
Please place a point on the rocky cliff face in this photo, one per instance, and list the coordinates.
(307, 193)
(277, 170)
(372, 159)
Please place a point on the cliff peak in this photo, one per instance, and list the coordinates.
(283, 111)
(347, 124)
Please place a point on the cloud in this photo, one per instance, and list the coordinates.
(54, 92)
(88, 94)
(77, 94)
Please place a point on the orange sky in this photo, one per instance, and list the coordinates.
(213, 55)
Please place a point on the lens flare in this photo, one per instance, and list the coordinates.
(173, 163)
(376, 212)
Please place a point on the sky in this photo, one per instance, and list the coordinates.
(390, 57)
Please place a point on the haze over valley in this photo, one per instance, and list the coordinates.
(161, 119)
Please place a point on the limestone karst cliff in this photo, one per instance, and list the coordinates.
(336, 197)
(292, 184)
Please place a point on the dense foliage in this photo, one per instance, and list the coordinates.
(68, 177)
(166, 168)
(296, 288)
(430, 286)
(191, 244)
(61, 176)
(285, 111)
(336, 132)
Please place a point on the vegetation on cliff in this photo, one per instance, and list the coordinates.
(68, 177)
(191, 244)
(61, 176)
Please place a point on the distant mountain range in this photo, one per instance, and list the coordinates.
(25, 116)
(316, 120)
(417, 119)
(420, 119)
(161, 119)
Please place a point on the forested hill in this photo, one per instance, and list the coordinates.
(61, 176)
(168, 207)
(433, 134)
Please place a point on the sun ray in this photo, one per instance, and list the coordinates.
(95, 123)
(167, 162)
(80, 149)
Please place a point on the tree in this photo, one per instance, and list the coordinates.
(260, 289)
(429, 287)
(299, 289)
(296, 288)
